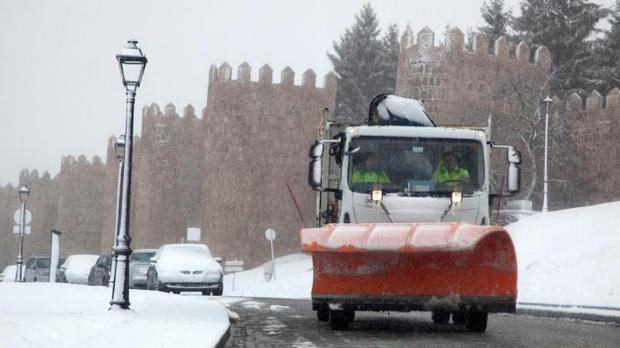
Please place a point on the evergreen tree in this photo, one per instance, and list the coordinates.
(564, 27)
(389, 60)
(607, 76)
(496, 18)
(365, 64)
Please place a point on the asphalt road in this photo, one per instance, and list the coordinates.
(292, 323)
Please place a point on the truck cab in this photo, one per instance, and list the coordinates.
(399, 172)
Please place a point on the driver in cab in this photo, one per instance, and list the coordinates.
(369, 171)
(449, 173)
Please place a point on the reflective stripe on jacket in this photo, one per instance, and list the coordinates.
(442, 174)
(369, 176)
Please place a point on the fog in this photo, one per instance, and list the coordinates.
(61, 91)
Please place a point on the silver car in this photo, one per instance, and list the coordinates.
(138, 266)
(38, 269)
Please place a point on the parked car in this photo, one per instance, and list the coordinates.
(138, 267)
(38, 269)
(76, 269)
(100, 272)
(10, 272)
(185, 267)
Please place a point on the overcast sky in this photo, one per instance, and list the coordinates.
(60, 88)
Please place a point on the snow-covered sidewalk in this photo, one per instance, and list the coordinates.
(66, 315)
(568, 260)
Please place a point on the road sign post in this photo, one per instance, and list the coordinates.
(233, 266)
(270, 235)
(54, 255)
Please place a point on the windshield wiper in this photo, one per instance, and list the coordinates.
(387, 213)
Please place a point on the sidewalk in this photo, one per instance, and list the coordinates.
(67, 315)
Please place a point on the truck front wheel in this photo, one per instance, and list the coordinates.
(339, 319)
(322, 313)
(458, 318)
(440, 317)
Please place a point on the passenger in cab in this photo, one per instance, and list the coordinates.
(449, 173)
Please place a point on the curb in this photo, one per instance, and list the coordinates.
(222, 342)
(547, 313)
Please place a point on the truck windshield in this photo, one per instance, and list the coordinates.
(415, 166)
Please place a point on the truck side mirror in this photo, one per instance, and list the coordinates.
(514, 172)
(315, 168)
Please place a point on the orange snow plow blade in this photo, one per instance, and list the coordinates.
(413, 266)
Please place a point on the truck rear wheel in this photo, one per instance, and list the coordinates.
(476, 320)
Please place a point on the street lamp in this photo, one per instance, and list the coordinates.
(547, 101)
(24, 192)
(119, 148)
(131, 62)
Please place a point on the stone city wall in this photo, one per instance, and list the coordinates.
(257, 136)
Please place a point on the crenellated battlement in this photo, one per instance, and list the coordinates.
(70, 163)
(593, 102)
(457, 81)
(265, 76)
(455, 42)
(169, 113)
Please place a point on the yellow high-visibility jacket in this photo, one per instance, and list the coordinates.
(369, 176)
(443, 175)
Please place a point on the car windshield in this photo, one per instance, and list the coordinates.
(31, 263)
(182, 250)
(415, 166)
(142, 257)
(43, 262)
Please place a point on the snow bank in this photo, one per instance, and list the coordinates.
(293, 280)
(67, 315)
(570, 257)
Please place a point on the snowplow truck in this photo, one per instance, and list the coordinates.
(403, 219)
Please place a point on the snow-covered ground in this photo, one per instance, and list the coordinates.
(569, 258)
(293, 280)
(566, 258)
(68, 315)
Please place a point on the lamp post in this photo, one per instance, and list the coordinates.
(547, 101)
(119, 148)
(24, 192)
(131, 63)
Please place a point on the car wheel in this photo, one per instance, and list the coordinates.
(206, 292)
(219, 291)
(149, 282)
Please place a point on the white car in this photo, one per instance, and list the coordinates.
(185, 267)
(76, 269)
(10, 273)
